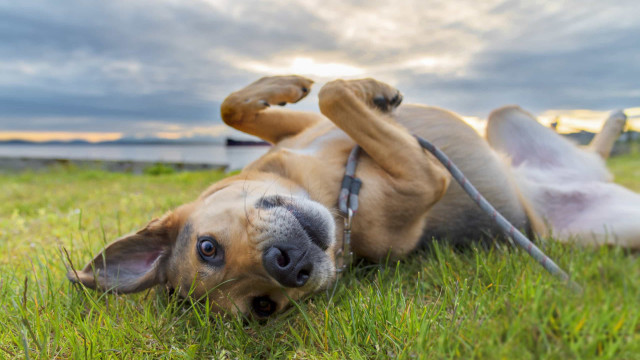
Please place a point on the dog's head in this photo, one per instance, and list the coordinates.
(249, 244)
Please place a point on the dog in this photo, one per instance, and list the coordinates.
(254, 241)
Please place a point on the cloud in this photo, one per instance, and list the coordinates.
(131, 66)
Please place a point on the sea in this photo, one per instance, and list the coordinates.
(234, 157)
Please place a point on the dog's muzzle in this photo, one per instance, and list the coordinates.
(300, 234)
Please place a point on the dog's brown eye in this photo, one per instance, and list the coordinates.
(207, 248)
(263, 306)
(210, 251)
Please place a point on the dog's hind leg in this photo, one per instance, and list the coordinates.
(603, 142)
(567, 186)
(516, 133)
(249, 109)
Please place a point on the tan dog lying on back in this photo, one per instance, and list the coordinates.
(252, 241)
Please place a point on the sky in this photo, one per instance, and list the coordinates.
(101, 70)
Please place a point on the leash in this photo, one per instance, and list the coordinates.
(348, 205)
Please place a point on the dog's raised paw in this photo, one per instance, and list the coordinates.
(374, 93)
(279, 90)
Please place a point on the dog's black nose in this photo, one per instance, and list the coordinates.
(288, 264)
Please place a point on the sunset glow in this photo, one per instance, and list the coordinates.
(58, 136)
(303, 66)
(570, 121)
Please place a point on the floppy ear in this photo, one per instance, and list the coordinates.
(134, 262)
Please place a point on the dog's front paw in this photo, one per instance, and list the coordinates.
(277, 90)
(372, 92)
(259, 95)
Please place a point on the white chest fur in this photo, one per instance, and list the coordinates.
(313, 145)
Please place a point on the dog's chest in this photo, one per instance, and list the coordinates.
(316, 143)
(314, 159)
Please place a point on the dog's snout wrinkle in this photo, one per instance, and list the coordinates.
(269, 202)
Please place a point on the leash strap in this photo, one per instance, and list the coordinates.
(348, 205)
(504, 224)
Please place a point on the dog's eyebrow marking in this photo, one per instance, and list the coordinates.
(185, 235)
(245, 194)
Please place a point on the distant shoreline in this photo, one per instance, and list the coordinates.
(149, 141)
(128, 157)
(110, 143)
(128, 166)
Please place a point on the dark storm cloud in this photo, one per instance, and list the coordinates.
(132, 107)
(587, 58)
(599, 76)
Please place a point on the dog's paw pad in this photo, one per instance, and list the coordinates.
(385, 104)
(381, 103)
(396, 100)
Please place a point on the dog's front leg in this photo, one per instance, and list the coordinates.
(362, 108)
(249, 109)
(410, 181)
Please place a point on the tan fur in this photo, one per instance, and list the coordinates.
(407, 196)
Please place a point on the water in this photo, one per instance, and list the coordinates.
(234, 157)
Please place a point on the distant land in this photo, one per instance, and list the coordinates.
(125, 141)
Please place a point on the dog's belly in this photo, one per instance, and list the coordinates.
(583, 210)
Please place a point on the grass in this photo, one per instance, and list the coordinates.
(626, 168)
(495, 303)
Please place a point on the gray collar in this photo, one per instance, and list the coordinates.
(348, 206)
